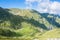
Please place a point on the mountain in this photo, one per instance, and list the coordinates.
(26, 24)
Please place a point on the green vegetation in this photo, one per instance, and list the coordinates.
(51, 34)
(24, 24)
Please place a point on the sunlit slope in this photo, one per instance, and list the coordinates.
(53, 34)
(21, 25)
(28, 24)
(46, 19)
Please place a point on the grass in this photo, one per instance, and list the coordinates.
(51, 34)
(27, 25)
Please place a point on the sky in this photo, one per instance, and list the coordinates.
(43, 6)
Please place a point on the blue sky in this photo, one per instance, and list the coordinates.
(12, 3)
(16, 3)
(50, 6)
(56, 0)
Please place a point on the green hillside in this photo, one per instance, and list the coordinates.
(25, 24)
(53, 34)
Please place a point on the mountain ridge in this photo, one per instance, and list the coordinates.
(26, 22)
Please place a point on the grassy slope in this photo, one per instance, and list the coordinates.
(51, 34)
(27, 24)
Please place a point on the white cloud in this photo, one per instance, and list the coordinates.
(44, 6)
(55, 7)
(30, 2)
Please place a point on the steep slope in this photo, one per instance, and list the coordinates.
(20, 24)
(26, 23)
(45, 19)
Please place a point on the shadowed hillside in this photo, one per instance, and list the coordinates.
(11, 21)
(26, 23)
